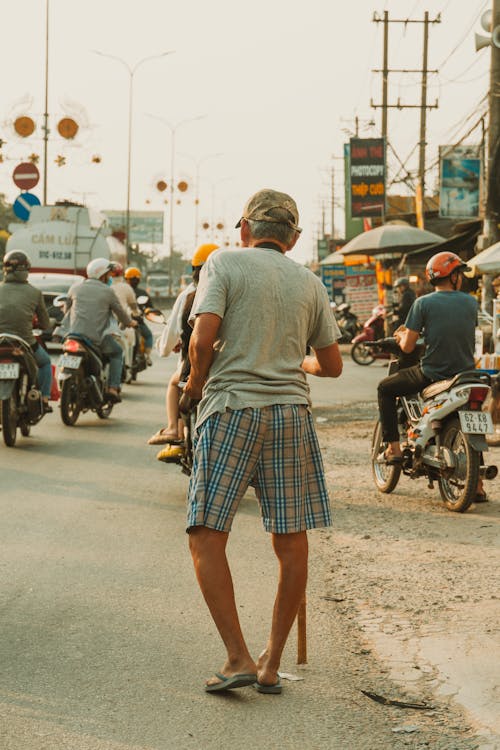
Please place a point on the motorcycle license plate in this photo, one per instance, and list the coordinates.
(476, 422)
(9, 370)
(69, 362)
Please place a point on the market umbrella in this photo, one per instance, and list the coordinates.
(393, 238)
(488, 261)
(337, 259)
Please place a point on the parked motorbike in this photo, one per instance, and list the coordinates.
(83, 380)
(20, 399)
(348, 322)
(373, 329)
(442, 433)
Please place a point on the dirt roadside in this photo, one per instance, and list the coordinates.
(417, 589)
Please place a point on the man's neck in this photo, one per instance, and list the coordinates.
(269, 242)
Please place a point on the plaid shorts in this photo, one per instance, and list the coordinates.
(274, 449)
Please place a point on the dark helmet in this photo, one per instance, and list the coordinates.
(16, 260)
(442, 265)
(403, 281)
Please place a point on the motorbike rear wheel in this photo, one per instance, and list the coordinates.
(361, 354)
(459, 490)
(70, 401)
(9, 419)
(385, 476)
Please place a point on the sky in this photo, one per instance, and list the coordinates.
(260, 94)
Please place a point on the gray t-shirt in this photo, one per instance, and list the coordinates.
(448, 322)
(90, 304)
(272, 308)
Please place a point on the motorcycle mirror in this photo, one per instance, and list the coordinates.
(60, 300)
(154, 316)
(142, 300)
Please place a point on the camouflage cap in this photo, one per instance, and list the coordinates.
(270, 205)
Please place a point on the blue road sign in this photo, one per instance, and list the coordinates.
(22, 205)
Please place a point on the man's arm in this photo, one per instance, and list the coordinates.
(406, 338)
(327, 362)
(201, 352)
(120, 312)
(42, 314)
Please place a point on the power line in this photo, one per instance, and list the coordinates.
(464, 37)
(457, 78)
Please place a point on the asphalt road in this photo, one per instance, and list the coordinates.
(105, 641)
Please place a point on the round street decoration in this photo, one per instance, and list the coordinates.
(182, 186)
(26, 175)
(161, 185)
(24, 126)
(67, 128)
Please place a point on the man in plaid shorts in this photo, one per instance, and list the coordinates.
(254, 315)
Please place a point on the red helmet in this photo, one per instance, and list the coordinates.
(116, 269)
(441, 265)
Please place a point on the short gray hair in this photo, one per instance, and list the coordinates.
(271, 230)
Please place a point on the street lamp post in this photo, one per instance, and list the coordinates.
(197, 194)
(173, 129)
(131, 70)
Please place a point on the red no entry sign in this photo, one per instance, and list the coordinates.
(26, 176)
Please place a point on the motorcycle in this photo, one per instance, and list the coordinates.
(442, 434)
(139, 358)
(83, 379)
(178, 451)
(373, 329)
(21, 400)
(348, 322)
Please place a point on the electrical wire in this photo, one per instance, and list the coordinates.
(465, 35)
(459, 76)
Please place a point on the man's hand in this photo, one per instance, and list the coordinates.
(193, 389)
(399, 333)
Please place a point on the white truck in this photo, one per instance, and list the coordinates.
(64, 238)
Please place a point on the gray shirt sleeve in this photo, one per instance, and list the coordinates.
(325, 331)
(42, 314)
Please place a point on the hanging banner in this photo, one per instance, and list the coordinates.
(460, 181)
(367, 177)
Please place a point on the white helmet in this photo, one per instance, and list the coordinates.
(98, 267)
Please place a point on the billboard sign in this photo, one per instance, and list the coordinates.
(145, 226)
(367, 177)
(460, 181)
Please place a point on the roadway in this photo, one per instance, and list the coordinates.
(106, 641)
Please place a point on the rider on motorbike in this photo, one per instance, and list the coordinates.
(406, 299)
(446, 319)
(90, 304)
(128, 301)
(176, 338)
(19, 303)
(133, 277)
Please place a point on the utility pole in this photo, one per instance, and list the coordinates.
(46, 113)
(332, 198)
(492, 204)
(385, 76)
(423, 106)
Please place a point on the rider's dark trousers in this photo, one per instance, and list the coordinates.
(402, 383)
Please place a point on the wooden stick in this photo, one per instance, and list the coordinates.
(302, 633)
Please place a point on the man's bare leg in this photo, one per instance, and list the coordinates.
(208, 550)
(292, 552)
